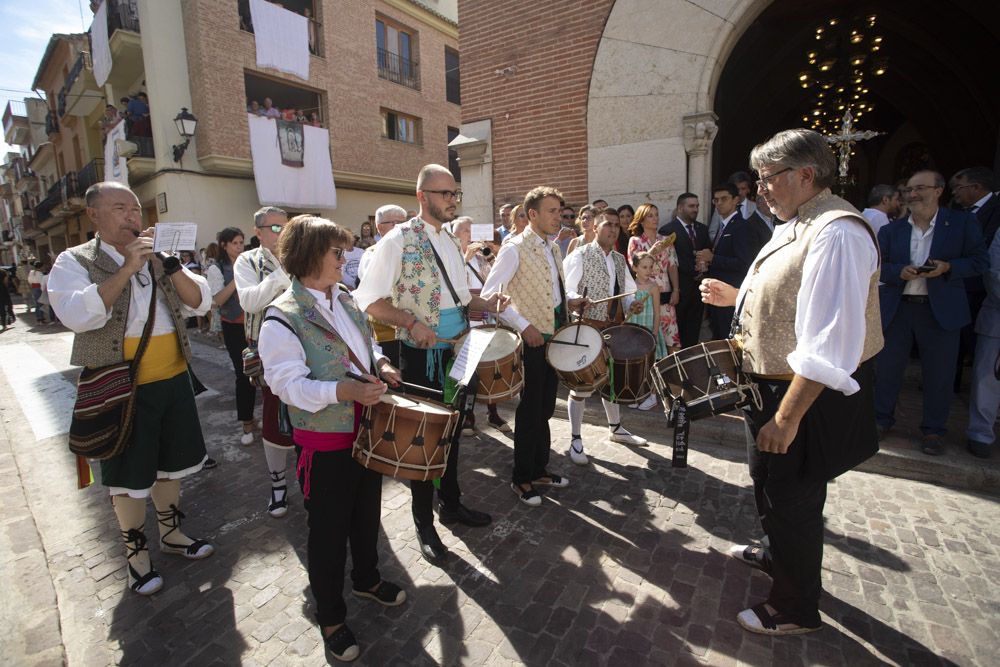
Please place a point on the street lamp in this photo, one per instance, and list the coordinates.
(186, 124)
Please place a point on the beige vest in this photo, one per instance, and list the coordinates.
(531, 287)
(595, 278)
(767, 321)
(103, 347)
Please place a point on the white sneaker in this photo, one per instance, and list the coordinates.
(246, 438)
(622, 436)
(576, 454)
(649, 403)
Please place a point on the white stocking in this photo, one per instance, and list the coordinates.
(575, 409)
(131, 513)
(613, 412)
(277, 462)
(166, 495)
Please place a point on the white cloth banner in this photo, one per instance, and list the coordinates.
(308, 186)
(101, 51)
(282, 38)
(115, 165)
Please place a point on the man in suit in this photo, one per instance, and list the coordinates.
(732, 253)
(691, 237)
(985, 398)
(761, 224)
(883, 206)
(744, 186)
(972, 189)
(925, 258)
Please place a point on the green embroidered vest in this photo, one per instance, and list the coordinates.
(419, 288)
(326, 355)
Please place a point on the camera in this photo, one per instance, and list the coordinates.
(485, 251)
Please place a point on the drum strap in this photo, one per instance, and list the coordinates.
(447, 281)
(679, 421)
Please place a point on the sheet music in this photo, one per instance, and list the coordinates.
(174, 236)
(471, 352)
(482, 232)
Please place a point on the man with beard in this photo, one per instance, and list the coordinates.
(421, 289)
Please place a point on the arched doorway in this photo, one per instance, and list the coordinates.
(936, 102)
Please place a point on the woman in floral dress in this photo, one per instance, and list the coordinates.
(645, 239)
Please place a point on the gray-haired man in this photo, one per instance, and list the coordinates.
(259, 281)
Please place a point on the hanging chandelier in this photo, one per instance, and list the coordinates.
(845, 57)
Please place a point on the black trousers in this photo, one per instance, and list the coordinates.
(836, 434)
(344, 505)
(690, 312)
(532, 441)
(235, 339)
(413, 365)
(720, 320)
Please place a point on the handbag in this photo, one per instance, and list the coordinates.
(101, 426)
(253, 367)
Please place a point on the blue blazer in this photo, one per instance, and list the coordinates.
(734, 252)
(958, 241)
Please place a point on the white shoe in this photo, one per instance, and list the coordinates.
(576, 454)
(649, 403)
(622, 436)
(246, 438)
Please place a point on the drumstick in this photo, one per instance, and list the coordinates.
(579, 313)
(611, 298)
(415, 387)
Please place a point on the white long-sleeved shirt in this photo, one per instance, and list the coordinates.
(79, 306)
(256, 295)
(920, 251)
(830, 323)
(284, 360)
(573, 270)
(878, 218)
(383, 272)
(504, 268)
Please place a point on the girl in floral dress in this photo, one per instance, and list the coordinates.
(661, 249)
(648, 294)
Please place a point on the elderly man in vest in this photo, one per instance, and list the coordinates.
(410, 292)
(810, 349)
(599, 270)
(531, 266)
(101, 290)
(260, 280)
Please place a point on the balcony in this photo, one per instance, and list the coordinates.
(24, 179)
(27, 222)
(92, 173)
(79, 95)
(69, 189)
(395, 68)
(51, 124)
(125, 43)
(315, 29)
(16, 128)
(6, 191)
(48, 207)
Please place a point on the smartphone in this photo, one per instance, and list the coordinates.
(926, 268)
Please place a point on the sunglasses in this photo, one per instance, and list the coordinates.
(274, 228)
(337, 252)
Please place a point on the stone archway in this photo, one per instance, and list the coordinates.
(650, 122)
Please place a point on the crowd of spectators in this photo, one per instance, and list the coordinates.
(290, 114)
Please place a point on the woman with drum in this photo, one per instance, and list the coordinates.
(312, 337)
(584, 222)
(477, 267)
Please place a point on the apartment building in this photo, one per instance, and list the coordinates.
(383, 79)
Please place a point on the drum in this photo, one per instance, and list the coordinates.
(577, 353)
(501, 368)
(382, 333)
(405, 437)
(707, 376)
(633, 350)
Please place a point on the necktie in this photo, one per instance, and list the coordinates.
(718, 233)
(694, 239)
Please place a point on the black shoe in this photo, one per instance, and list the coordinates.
(881, 430)
(342, 644)
(431, 546)
(932, 445)
(209, 463)
(978, 449)
(463, 515)
(386, 594)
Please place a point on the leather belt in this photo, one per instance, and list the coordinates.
(916, 298)
(784, 377)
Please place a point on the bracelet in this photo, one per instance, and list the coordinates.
(413, 323)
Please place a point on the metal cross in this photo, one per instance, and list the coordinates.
(846, 139)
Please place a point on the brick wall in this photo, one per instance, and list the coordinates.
(219, 53)
(539, 113)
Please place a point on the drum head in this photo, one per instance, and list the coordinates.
(412, 403)
(629, 341)
(504, 342)
(564, 357)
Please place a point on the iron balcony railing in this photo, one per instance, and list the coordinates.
(45, 207)
(398, 69)
(51, 123)
(124, 15)
(92, 173)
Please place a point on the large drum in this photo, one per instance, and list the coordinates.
(707, 376)
(577, 353)
(405, 437)
(633, 351)
(501, 368)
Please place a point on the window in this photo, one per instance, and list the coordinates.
(401, 127)
(453, 165)
(453, 89)
(396, 50)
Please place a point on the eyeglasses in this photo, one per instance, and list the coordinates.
(765, 181)
(337, 252)
(916, 188)
(448, 194)
(142, 279)
(568, 216)
(274, 228)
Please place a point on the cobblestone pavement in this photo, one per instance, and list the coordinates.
(625, 566)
